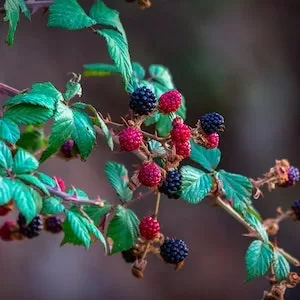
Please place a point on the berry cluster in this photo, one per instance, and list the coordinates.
(180, 135)
(130, 139)
(172, 184)
(149, 228)
(173, 251)
(212, 123)
(142, 101)
(293, 177)
(149, 174)
(32, 229)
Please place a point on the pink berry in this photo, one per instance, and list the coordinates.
(169, 101)
(212, 141)
(60, 183)
(177, 121)
(149, 228)
(180, 133)
(130, 139)
(149, 174)
(183, 149)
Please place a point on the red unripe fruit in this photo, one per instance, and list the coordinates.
(180, 133)
(149, 228)
(149, 174)
(130, 139)
(7, 230)
(183, 149)
(177, 121)
(60, 183)
(212, 141)
(169, 101)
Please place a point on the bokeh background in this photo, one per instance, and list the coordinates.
(240, 58)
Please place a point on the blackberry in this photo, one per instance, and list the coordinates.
(31, 230)
(128, 256)
(212, 123)
(142, 101)
(296, 209)
(172, 184)
(53, 224)
(293, 177)
(173, 251)
(69, 149)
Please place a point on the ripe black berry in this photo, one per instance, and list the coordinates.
(128, 256)
(296, 209)
(212, 123)
(172, 184)
(142, 101)
(32, 229)
(293, 177)
(173, 251)
(53, 224)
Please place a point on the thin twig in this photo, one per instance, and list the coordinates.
(158, 196)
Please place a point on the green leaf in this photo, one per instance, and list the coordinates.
(118, 51)
(24, 200)
(138, 70)
(207, 158)
(83, 133)
(12, 15)
(24, 162)
(99, 70)
(6, 190)
(42, 94)
(162, 75)
(61, 130)
(80, 105)
(118, 177)
(52, 206)
(281, 266)
(32, 140)
(236, 187)
(258, 259)
(257, 225)
(153, 119)
(100, 123)
(68, 14)
(6, 160)
(164, 124)
(253, 211)
(27, 178)
(73, 89)
(77, 193)
(45, 179)
(69, 236)
(28, 114)
(9, 130)
(37, 199)
(97, 212)
(123, 229)
(156, 148)
(195, 184)
(78, 228)
(181, 111)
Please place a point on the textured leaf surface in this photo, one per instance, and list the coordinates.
(117, 176)
(258, 259)
(164, 124)
(97, 212)
(162, 75)
(123, 229)
(32, 180)
(6, 190)
(45, 179)
(73, 89)
(99, 70)
(68, 14)
(24, 162)
(207, 158)
(52, 206)
(69, 236)
(6, 160)
(281, 266)
(138, 70)
(32, 140)
(195, 184)
(76, 192)
(257, 225)
(9, 130)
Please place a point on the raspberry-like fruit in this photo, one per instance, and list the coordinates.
(60, 183)
(53, 224)
(128, 256)
(69, 149)
(177, 121)
(130, 139)
(212, 123)
(6, 231)
(180, 133)
(183, 149)
(149, 228)
(32, 229)
(172, 184)
(142, 101)
(293, 177)
(212, 141)
(6, 209)
(296, 209)
(169, 101)
(173, 251)
(149, 174)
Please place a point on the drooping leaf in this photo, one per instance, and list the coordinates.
(9, 130)
(117, 176)
(207, 158)
(6, 160)
(52, 206)
(281, 266)
(118, 51)
(68, 14)
(61, 130)
(32, 140)
(42, 94)
(28, 114)
(12, 15)
(195, 184)
(97, 212)
(99, 70)
(69, 235)
(6, 190)
(45, 179)
(123, 229)
(258, 259)
(79, 105)
(162, 75)
(27, 178)
(138, 70)
(73, 89)
(83, 133)
(257, 225)
(24, 162)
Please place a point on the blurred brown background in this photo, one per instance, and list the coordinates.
(240, 58)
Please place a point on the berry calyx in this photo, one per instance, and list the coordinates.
(6, 209)
(130, 139)
(172, 184)
(183, 149)
(128, 256)
(296, 209)
(212, 123)
(212, 141)
(53, 224)
(149, 174)
(149, 228)
(180, 133)
(32, 229)
(169, 101)
(142, 101)
(173, 251)
(69, 149)
(60, 182)
(293, 177)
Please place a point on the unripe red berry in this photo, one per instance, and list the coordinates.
(6, 231)
(180, 133)
(176, 121)
(212, 141)
(130, 139)
(149, 174)
(169, 101)
(183, 149)
(149, 228)
(60, 183)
